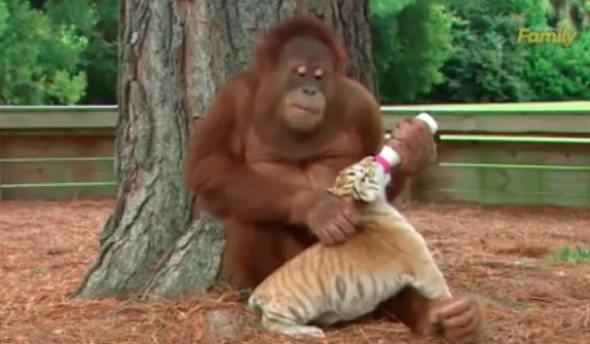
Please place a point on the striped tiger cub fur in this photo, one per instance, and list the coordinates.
(324, 285)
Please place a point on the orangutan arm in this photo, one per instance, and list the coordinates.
(414, 144)
(215, 171)
(417, 149)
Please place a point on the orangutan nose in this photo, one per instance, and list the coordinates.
(309, 91)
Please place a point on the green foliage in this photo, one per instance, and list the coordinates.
(386, 8)
(557, 72)
(38, 64)
(466, 51)
(98, 21)
(101, 57)
(411, 41)
(65, 52)
(488, 63)
(66, 87)
(81, 14)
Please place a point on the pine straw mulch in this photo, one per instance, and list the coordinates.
(497, 252)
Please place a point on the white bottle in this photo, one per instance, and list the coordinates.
(389, 158)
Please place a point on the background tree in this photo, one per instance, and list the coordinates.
(173, 55)
(555, 72)
(97, 20)
(38, 59)
(65, 52)
(489, 65)
(411, 42)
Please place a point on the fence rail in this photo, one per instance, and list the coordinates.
(493, 153)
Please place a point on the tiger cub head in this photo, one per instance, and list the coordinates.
(359, 182)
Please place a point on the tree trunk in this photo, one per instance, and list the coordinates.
(173, 56)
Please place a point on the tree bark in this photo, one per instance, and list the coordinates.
(173, 56)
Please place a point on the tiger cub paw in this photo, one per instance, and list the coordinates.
(307, 331)
(295, 331)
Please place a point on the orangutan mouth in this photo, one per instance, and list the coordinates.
(308, 109)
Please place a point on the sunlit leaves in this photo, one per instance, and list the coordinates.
(38, 57)
(411, 41)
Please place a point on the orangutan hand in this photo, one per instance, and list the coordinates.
(462, 318)
(415, 145)
(332, 219)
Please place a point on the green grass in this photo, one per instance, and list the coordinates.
(576, 254)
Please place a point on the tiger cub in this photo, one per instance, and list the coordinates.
(324, 285)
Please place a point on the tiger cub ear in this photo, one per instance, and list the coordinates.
(367, 161)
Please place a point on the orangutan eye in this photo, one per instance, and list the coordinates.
(301, 70)
(318, 73)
